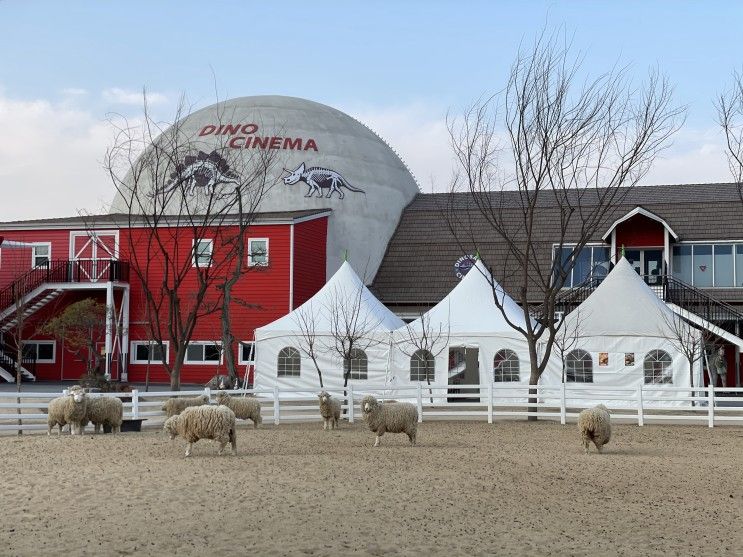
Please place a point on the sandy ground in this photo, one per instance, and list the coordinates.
(468, 488)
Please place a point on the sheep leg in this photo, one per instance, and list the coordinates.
(255, 423)
(222, 445)
(324, 424)
(380, 432)
(599, 446)
(411, 436)
(233, 441)
(188, 449)
(585, 444)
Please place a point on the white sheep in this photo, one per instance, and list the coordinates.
(594, 424)
(204, 422)
(330, 410)
(245, 408)
(68, 409)
(390, 417)
(176, 405)
(106, 411)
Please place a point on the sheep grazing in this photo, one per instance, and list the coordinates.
(68, 409)
(390, 417)
(204, 422)
(245, 408)
(330, 410)
(594, 424)
(105, 411)
(176, 405)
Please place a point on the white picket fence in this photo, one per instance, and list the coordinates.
(491, 402)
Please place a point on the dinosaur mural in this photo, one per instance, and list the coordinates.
(319, 179)
(200, 172)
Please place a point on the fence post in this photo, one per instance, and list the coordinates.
(490, 403)
(640, 410)
(711, 406)
(350, 404)
(563, 409)
(135, 404)
(275, 406)
(419, 392)
(208, 394)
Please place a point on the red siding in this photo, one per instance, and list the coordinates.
(16, 261)
(639, 231)
(310, 254)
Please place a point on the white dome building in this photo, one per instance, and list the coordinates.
(326, 160)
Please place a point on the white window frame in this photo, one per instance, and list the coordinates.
(251, 262)
(34, 256)
(37, 343)
(194, 253)
(133, 352)
(569, 278)
(204, 362)
(240, 352)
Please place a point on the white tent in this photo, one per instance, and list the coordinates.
(467, 323)
(343, 299)
(629, 334)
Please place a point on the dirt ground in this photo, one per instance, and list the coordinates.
(513, 488)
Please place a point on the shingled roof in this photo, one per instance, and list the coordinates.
(417, 269)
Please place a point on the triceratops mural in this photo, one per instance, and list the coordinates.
(318, 179)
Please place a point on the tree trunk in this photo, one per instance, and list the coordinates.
(18, 376)
(533, 380)
(228, 339)
(319, 373)
(175, 381)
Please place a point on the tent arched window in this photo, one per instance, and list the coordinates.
(657, 367)
(357, 364)
(422, 366)
(578, 367)
(506, 366)
(289, 362)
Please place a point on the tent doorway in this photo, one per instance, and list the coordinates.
(464, 369)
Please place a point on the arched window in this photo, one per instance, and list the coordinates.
(289, 362)
(357, 364)
(505, 366)
(422, 366)
(578, 367)
(657, 367)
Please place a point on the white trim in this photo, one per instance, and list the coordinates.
(204, 362)
(103, 232)
(639, 211)
(37, 343)
(251, 263)
(613, 254)
(240, 353)
(133, 352)
(712, 328)
(194, 254)
(291, 267)
(33, 252)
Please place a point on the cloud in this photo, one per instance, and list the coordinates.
(74, 92)
(116, 95)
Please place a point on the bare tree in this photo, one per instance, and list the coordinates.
(568, 333)
(188, 209)
(311, 346)
(730, 115)
(423, 345)
(564, 152)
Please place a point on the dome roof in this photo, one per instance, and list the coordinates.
(325, 160)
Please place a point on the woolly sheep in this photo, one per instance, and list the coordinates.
(68, 409)
(330, 410)
(245, 408)
(176, 405)
(594, 424)
(390, 417)
(106, 411)
(204, 422)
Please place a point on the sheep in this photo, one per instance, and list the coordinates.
(594, 424)
(330, 410)
(204, 422)
(176, 405)
(106, 411)
(390, 417)
(68, 409)
(245, 408)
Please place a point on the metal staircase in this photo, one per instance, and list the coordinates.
(8, 368)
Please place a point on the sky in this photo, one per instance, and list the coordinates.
(68, 68)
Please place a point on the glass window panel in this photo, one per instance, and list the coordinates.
(141, 352)
(246, 351)
(681, 264)
(211, 353)
(46, 351)
(600, 262)
(258, 252)
(29, 351)
(582, 268)
(703, 265)
(724, 265)
(156, 353)
(195, 352)
(739, 265)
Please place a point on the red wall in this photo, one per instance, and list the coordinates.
(310, 258)
(639, 231)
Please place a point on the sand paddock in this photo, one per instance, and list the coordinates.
(467, 488)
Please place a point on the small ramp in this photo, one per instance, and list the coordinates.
(711, 327)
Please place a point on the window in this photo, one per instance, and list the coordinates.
(258, 252)
(202, 253)
(149, 352)
(590, 262)
(41, 254)
(739, 265)
(357, 364)
(682, 263)
(702, 265)
(422, 366)
(39, 351)
(247, 353)
(289, 362)
(203, 353)
(505, 366)
(709, 265)
(723, 271)
(657, 367)
(578, 367)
